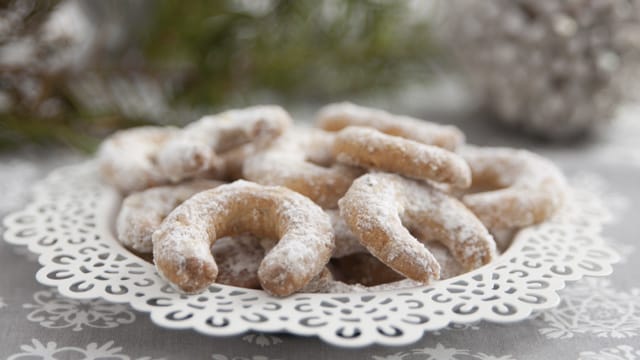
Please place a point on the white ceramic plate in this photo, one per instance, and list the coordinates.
(70, 224)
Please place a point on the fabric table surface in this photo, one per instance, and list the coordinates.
(598, 318)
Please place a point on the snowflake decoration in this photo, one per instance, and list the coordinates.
(620, 352)
(255, 357)
(50, 350)
(54, 311)
(593, 307)
(261, 339)
(441, 352)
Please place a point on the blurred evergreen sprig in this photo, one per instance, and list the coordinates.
(126, 64)
(300, 49)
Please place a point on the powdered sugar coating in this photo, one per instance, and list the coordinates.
(529, 188)
(142, 212)
(128, 157)
(381, 208)
(301, 160)
(372, 149)
(335, 117)
(196, 148)
(181, 244)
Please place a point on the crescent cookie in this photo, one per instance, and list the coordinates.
(372, 149)
(302, 161)
(335, 117)
(377, 208)
(348, 244)
(196, 148)
(181, 244)
(525, 188)
(127, 159)
(363, 272)
(352, 262)
(142, 212)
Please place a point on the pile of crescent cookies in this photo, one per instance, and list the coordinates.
(364, 201)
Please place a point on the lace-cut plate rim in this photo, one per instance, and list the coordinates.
(70, 225)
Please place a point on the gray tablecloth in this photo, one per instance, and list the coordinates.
(597, 318)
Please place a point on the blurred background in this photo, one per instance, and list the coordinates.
(71, 72)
